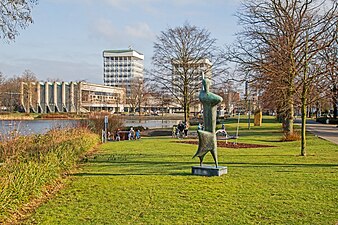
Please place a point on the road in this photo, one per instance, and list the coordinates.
(326, 131)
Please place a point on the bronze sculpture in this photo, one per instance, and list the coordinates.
(207, 138)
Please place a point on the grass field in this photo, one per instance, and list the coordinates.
(149, 182)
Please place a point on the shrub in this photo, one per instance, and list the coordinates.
(95, 122)
(32, 162)
(295, 136)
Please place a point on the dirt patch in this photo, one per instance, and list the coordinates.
(223, 144)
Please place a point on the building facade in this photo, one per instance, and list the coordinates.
(54, 97)
(122, 67)
(195, 71)
(191, 72)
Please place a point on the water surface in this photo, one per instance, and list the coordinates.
(26, 127)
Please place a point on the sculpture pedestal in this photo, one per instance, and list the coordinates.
(209, 170)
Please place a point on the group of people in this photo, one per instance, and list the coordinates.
(132, 134)
(180, 130)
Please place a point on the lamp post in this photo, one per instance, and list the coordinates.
(248, 99)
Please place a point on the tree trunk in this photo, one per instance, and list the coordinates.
(303, 132)
(185, 103)
(139, 108)
(288, 128)
(334, 102)
(188, 113)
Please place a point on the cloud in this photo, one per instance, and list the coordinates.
(124, 3)
(105, 28)
(140, 30)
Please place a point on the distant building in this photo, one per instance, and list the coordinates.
(53, 97)
(197, 70)
(122, 67)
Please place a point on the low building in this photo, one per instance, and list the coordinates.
(53, 97)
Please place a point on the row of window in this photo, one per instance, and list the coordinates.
(130, 73)
(118, 64)
(116, 58)
(109, 69)
(117, 75)
(114, 84)
(109, 75)
(117, 81)
(120, 74)
(121, 59)
(124, 66)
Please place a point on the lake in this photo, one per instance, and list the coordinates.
(26, 127)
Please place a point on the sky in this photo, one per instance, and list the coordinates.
(68, 37)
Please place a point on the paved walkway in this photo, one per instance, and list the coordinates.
(326, 131)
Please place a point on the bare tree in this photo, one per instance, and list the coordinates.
(137, 93)
(10, 89)
(14, 15)
(329, 63)
(2, 81)
(318, 32)
(279, 45)
(228, 90)
(181, 55)
(2, 78)
(139, 90)
(266, 48)
(269, 45)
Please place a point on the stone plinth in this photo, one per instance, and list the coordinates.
(209, 170)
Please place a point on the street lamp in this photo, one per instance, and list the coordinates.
(248, 99)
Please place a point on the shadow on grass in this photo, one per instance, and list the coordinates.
(167, 168)
(139, 162)
(271, 141)
(129, 174)
(280, 165)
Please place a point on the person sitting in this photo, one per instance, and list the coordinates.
(131, 133)
(180, 128)
(117, 135)
(174, 131)
(138, 134)
(109, 138)
(186, 129)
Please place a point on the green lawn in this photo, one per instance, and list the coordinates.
(149, 182)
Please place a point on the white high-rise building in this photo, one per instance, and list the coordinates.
(121, 67)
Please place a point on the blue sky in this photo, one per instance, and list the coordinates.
(68, 37)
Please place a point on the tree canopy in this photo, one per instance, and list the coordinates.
(280, 47)
(15, 15)
(181, 56)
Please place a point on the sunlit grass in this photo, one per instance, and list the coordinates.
(149, 182)
(30, 163)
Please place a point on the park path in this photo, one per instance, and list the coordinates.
(326, 131)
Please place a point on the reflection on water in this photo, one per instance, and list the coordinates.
(151, 123)
(26, 127)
